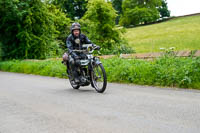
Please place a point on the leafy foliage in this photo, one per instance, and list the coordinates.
(99, 24)
(11, 15)
(163, 9)
(101, 15)
(62, 25)
(73, 8)
(139, 11)
(117, 4)
(38, 31)
(30, 28)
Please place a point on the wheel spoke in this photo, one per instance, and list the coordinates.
(99, 78)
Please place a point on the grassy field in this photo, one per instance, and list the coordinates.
(182, 33)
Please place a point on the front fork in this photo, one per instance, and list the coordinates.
(94, 62)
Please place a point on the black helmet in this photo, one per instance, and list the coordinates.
(75, 26)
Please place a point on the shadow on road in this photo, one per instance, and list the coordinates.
(77, 91)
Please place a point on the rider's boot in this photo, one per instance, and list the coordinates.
(76, 77)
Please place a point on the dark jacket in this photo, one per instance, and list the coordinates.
(72, 45)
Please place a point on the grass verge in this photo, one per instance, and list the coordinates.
(165, 71)
(52, 68)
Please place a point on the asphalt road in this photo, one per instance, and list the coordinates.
(36, 104)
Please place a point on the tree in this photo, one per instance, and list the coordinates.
(11, 15)
(30, 29)
(73, 8)
(163, 9)
(61, 23)
(139, 11)
(117, 4)
(100, 22)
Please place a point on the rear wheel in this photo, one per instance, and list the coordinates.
(99, 79)
(73, 84)
(71, 80)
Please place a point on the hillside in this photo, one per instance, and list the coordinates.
(182, 33)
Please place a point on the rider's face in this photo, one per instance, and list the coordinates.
(76, 33)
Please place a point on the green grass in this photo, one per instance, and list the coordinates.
(52, 68)
(165, 71)
(181, 33)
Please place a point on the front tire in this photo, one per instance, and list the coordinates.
(99, 79)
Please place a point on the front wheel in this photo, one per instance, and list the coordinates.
(99, 79)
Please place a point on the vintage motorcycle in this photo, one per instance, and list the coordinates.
(90, 69)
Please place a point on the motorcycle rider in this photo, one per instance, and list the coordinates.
(74, 42)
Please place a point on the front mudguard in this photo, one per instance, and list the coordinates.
(97, 61)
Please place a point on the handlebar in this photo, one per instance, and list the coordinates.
(89, 48)
(79, 50)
